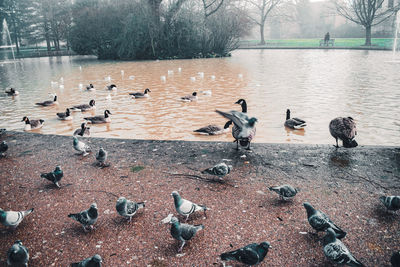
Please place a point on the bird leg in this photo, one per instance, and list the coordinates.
(337, 145)
(57, 184)
(180, 249)
(84, 228)
(248, 146)
(205, 214)
(130, 218)
(237, 144)
(187, 217)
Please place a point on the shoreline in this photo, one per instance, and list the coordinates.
(344, 183)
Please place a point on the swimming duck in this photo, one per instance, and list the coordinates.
(32, 124)
(83, 131)
(141, 95)
(100, 118)
(12, 92)
(213, 129)
(189, 98)
(90, 87)
(294, 123)
(112, 87)
(245, 129)
(48, 102)
(65, 116)
(84, 107)
(345, 130)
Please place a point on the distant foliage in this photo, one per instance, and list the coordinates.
(136, 30)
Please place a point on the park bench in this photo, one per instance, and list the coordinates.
(330, 42)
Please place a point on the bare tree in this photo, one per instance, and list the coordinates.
(366, 13)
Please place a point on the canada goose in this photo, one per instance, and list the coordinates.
(83, 131)
(84, 107)
(100, 118)
(213, 129)
(48, 102)
(141, 95)
(190, 98)
(65, 116)
(112, 87)
(294, 123)
(345, 130)
(12, 92)
(90, 87)
(32, 124)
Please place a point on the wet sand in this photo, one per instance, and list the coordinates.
(344, 183)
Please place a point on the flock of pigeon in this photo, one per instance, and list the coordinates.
(243, 131)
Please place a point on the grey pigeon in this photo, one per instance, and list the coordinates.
(54, 176)
(391, 202)
(320, 221)
(94, 261)
(251, 254)
(127, 208)
(3, 148)
(17, 255)
(395, 259)
(186, 207)
(183, 232)
(337, 252)
(101, 157)
(81, 146)
(13, 218)
(87, 217)
(285, 191)
(220, 170)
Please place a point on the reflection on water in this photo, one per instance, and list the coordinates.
(317, 85)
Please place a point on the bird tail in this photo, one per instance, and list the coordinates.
(355, 263)
(339, 232)
(45, 176)
(141, 205)
(274, 188)
(227, 256)
(199, 227)
(41, 121)
(74, 216)
(204, 207)
(301, 126)
(27, 212)
(76, 264)
(39, 104)
(349, 143)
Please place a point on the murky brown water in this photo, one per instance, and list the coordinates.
(316, 85)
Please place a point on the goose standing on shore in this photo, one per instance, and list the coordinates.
(141, 95)
(83, 131)
(48, 102)
(65, 116)
(85, 107)
(12, 92)
(100, 118)
(294, 123)
(213, 129)
(345, 130)
(32, 124)
(189, 98)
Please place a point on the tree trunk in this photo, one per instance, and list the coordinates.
(368, 35)
(15, 35)
(262, 42)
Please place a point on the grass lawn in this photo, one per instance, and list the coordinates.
(339, 42)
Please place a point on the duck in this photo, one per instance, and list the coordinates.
(100, 118)
(85, 107)
(12, 92)
(141, 95)
(90, 87)
(112, 87)
(344, 128)
(83, 131)
(190, 98)
(244, 129)
(294, 123)
(32, 124)
(65, 116)
(48, 102)
(213, 129)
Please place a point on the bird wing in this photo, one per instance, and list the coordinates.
(246, 255)
(95, 118)
(131, 207)
(236, 117)
(13, 218)
(209, 129)
(187, 207)
(188, 231)
(300, 121)
(34, 123)
(318, 222)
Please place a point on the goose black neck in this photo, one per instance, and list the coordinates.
(244, 106)
(287, 114)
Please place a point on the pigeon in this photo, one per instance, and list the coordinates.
(13, 218)
(285, 191)
(391, 202)
(54, 176)
(3, 148)
(220, 170)
(244, 129)
(186, 207)
(320, 221)
(345, 130)
(127, 208)
(395, 259)
(17, 255)
(81, 146)
(337, 252)
(183, 232)
(94, 261)
(101, 157)
(87, 217)
(251, 254)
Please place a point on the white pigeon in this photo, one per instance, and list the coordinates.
(186, 207)
(13, 218)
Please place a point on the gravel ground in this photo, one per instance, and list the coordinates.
(344, 183)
